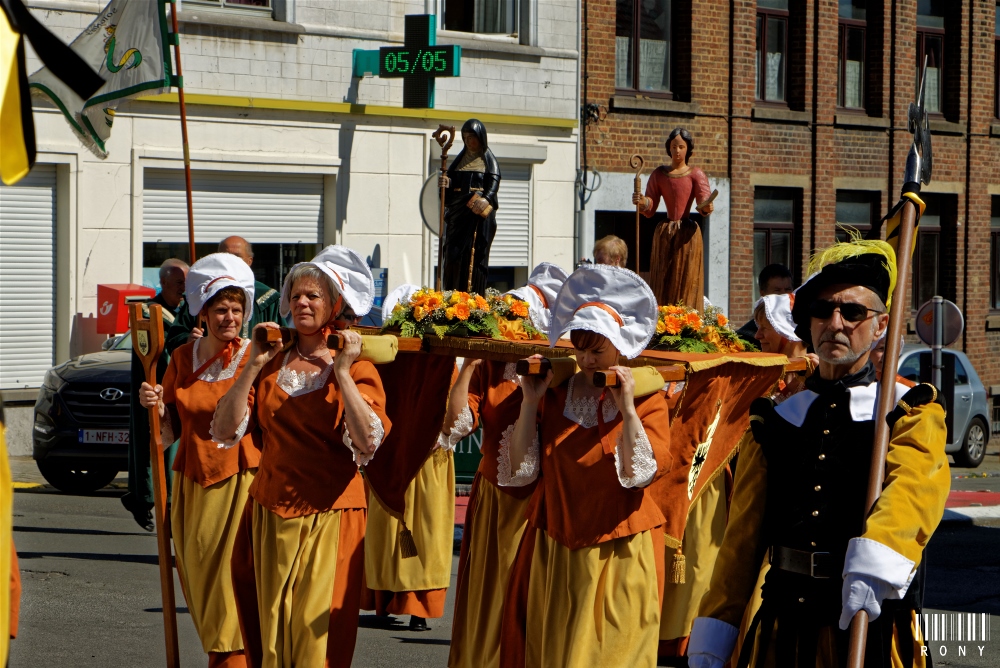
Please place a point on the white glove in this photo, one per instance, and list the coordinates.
(711, 643)
(862, 592)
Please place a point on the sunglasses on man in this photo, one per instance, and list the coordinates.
(849, 311)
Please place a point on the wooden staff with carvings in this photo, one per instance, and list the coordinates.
(445, 136)
(147, 341)
(636, 162)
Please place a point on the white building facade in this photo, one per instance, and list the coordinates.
(292, 152)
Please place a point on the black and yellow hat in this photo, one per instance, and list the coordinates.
(868, 263)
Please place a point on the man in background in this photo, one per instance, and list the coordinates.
(139, 498)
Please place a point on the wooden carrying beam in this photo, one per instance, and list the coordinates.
(147, 342)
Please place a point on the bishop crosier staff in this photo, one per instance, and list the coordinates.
(298, 559)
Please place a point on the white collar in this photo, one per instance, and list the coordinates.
(864, 399)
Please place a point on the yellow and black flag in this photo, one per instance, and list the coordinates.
(892, 221)
(17, 129)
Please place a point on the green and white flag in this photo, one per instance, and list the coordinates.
(128, 45)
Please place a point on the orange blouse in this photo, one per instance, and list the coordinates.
(194, 399)
(495, 401)
(579, 500)
(305, 466)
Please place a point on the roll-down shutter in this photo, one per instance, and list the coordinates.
(262, 208)
(513, 238)
(27, 278)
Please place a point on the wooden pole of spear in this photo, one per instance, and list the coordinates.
(179, 80)
(886, 400)
(445, 136)
(636, 162)
(147, 341)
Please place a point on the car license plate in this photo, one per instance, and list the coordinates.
(108, 436)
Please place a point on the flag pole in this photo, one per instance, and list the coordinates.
(179, 80)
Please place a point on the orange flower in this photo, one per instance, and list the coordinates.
(519, 308)
(722, 320)
(461, 310)
(693, 320)
(674, 309)
(434, 301)
(512, 330)
(481, 303)
(419, 312)
(673, 324)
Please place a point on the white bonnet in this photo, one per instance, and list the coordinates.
(350, 276)
(541, 292)
(778, 311)
(400, 295)
(212, 273)
(610, 301)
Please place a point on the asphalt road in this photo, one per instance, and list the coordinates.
(91, 587)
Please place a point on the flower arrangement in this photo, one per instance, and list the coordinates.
(457, 313)
(686, 330)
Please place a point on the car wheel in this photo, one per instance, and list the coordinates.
(973, 445)
(75, 479)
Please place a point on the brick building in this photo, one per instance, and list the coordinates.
(798, 111)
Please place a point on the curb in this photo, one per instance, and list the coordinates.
(975, 515)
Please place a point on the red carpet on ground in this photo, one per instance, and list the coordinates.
(966, 499)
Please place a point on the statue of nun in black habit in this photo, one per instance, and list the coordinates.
(470, 208)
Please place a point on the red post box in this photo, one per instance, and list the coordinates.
(112, 315)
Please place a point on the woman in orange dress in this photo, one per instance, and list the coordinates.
(587, 580)
(489, 394)
(299, 556)
(211, 490)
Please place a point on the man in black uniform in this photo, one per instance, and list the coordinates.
(801, 488)
(470, 211)
(139, 498)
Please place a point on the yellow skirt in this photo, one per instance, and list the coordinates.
(493, 529)
(706, 525)
(308, 573)
(595, 606)
(204, 522)
(430, 517)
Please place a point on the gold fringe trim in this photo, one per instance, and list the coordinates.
(775, 360)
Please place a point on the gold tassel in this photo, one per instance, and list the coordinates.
(406, 544)
(678, 568)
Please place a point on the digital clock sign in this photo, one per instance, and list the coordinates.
(434, 61)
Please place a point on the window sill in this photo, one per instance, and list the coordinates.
(221, 18)
(643, 103)
(852, 120)
(946, 128)
(995, 130)
(993, 323)
(21, 395)
(780, 115)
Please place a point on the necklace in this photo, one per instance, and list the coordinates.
(314, 357)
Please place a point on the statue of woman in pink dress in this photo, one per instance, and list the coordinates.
(677, 273)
